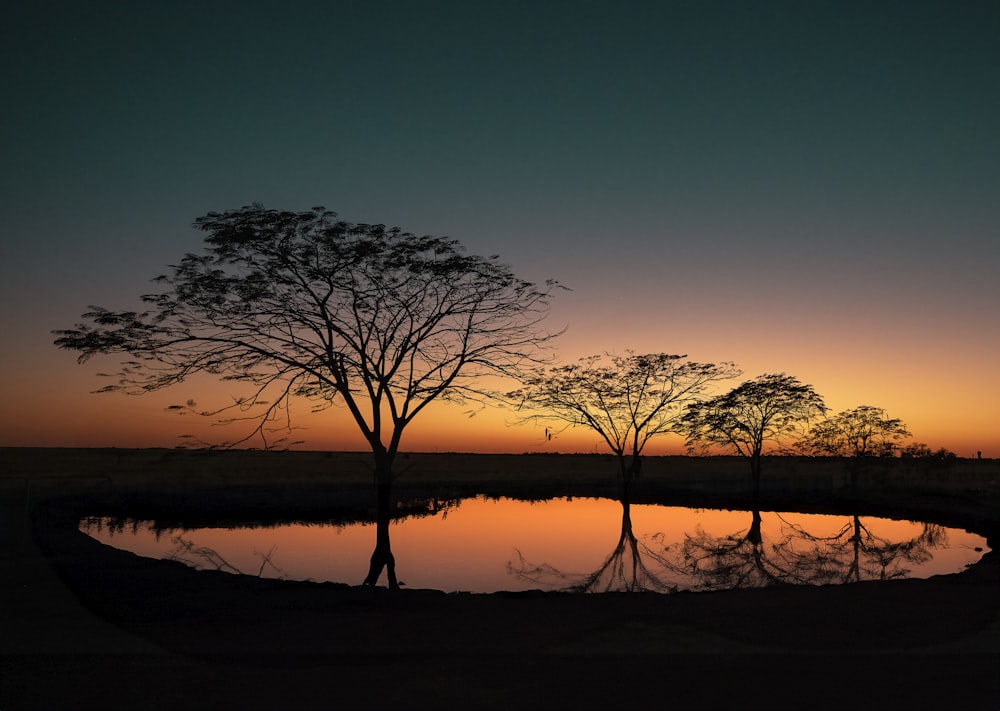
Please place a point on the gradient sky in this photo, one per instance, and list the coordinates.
(800, 187)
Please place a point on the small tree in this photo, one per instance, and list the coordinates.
(628, 401)
(865, 431)
(919, 450)
(859, 435)
(769, 408)
(303, 304)
(916, 450)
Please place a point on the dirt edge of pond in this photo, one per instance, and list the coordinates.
(121, 631)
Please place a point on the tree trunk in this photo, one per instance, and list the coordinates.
(382, 555)
(631, 469)
(754, 534)
(755, 476)
(854, 574)
(855, 471)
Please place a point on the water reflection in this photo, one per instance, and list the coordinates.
(485, 545)
(632, 566)
(202, 557)
(794, 555)
(746, 558)
(382, 557)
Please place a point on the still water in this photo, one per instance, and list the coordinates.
(582, 544)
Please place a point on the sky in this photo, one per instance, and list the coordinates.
(800, 187)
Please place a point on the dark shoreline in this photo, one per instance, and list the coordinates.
(161, 635)
(192, 486)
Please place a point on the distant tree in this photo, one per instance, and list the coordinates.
(859, 434)
(919, 450)
(627, 400)
(303, 304)
(921, 455)
(915, 450)
(865, 431)
(769, 408)
(944, 455)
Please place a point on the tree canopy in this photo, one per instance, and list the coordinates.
(627, 400)
(864, 431)
(304, 304)
(769, 408)
(859, 434)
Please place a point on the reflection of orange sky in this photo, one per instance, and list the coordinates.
(469, 547)
(943, 405)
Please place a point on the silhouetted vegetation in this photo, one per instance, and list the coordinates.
(769, 408)
(919, 450)
(864, 431)
(301, 304)
(382, 322)
(627, 402)
(860, 434)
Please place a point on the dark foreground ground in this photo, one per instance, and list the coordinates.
(84, 626)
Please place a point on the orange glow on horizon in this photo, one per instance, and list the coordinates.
(61, 411)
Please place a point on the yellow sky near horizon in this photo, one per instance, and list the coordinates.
(62, 411)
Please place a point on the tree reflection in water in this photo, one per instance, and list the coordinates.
(624, 570)
(202, 557)
(737, 560)
(768, 549)
(795, 556)
(856, 554)
(743, 559)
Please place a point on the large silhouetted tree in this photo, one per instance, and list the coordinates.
(769, 408)
(858, 435)
(626, 401)
(302, 304)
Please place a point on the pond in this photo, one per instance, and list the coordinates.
(580, 544)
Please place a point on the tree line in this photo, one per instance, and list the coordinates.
(382, 322)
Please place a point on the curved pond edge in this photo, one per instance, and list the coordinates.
(55, 522)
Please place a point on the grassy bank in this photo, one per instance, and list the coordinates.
(121, 631)
(260, 485)
(178, 467)
(288, 479)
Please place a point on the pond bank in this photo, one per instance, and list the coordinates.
(120, 631)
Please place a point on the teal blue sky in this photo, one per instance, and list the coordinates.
(810, 187)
